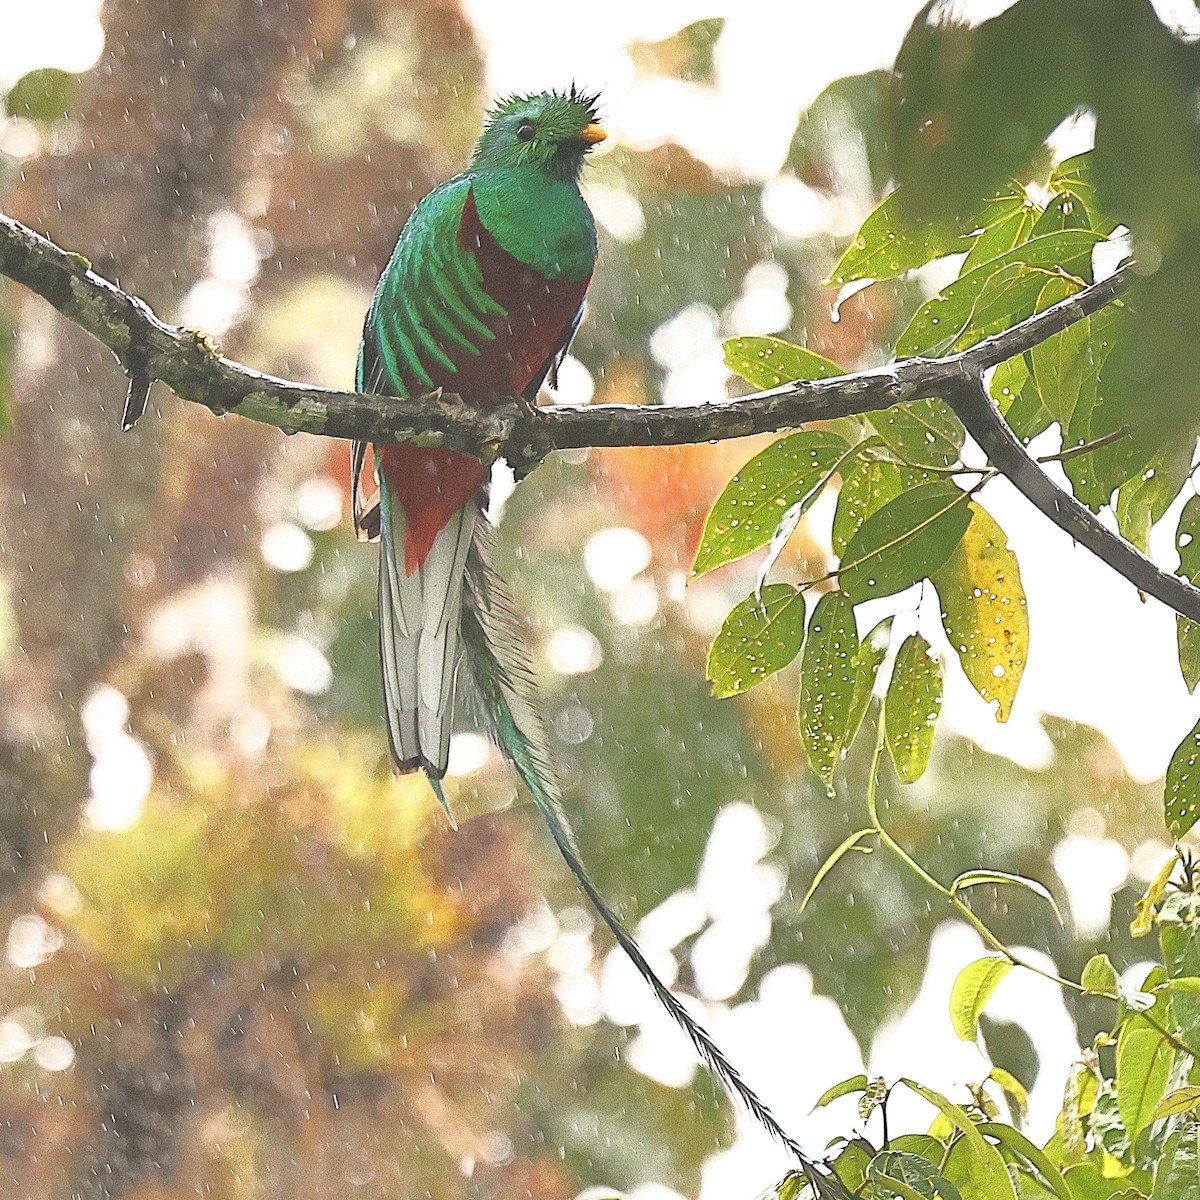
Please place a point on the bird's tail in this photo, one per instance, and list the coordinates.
(418, 637)
(501, 673)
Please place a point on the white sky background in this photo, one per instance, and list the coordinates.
(1098, 654)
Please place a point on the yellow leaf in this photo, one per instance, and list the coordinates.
(983, 610)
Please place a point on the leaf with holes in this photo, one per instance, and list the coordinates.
(908, 1177)
(761, 636)
(906, 540)
(871, 653)
(983, 610)
(767, 362)
(754, 501)
(828, 674)
(972, 989)
(911, 708)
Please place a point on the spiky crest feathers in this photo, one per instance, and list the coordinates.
(543, 129)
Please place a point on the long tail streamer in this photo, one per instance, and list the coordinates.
(501, 673)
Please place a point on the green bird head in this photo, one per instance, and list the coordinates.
(550, 130)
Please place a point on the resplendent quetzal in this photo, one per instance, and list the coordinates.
(481, 297)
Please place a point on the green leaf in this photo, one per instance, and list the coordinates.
(1144, 1061)
(1187, 637)
(1146, 496)
(972, 990)
(1145, 907)
(1177, 1174)
(1065, 211)
(983, 610)
(908, 1176)
(1187, 541)
(1181, 795)
(828, 674)
(754, 501)
(1099, 976)
(1027, 415)
(851, 1165)
(767, 362)
(848, 1087)
(1006, 222)
(871, 653)
(1007, 380)
(1061, 362)
(906, 540)
(984, 1166)
(1016, 1142)
(866, 488)
(1088, 1182)
(1013, 1088)
(996, 295)
(1178, 1100)
(792, 1186)
(836, 855)
(921, 433)
(974, 878)
(42, 95)
(1074, 175)
(889, 243)
(759, 637)
(910, 710)
(929, 1148)
(1189, 984)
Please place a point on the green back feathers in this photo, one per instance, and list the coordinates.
(431, 312)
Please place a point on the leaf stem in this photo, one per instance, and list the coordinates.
(886, 840)
(1086, 447)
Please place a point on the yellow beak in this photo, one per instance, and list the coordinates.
(592, 133)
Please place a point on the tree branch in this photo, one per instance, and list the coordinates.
(191, 365)
(974, 407)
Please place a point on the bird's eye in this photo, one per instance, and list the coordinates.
(525, 131)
